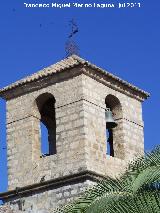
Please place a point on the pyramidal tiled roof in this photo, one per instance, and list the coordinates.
(64, 64)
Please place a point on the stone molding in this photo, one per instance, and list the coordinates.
(51, 184)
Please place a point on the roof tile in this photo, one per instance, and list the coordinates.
(65, 64)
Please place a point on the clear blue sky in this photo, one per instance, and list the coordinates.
(124, 41)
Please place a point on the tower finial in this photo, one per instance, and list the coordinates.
(71, 47)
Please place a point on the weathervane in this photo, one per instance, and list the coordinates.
(71, 47)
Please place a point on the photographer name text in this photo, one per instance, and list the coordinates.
(84, 5)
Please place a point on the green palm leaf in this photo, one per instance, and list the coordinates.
(136, 191)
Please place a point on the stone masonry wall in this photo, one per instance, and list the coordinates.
(23, 134)
(47, 201)
(81, 134)
(5, 209)
(128, 135)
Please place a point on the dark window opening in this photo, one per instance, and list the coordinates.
(114, 133)
(44, 139)
(46, 106)
(113, 104)
(109, 137)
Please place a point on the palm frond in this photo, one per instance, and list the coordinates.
(136, 191)
(148, 202)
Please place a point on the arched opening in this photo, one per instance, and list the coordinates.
(109, 142)
(46, 107)
(44, 139)
(113, 105)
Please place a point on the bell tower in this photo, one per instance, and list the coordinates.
(94, 126)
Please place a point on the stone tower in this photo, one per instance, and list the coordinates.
(69, 98)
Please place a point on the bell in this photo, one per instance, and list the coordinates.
(110, 123)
